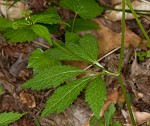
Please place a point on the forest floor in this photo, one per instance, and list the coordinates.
(135, 74)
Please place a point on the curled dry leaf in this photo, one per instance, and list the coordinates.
(28, 99)
(137, 5)
(109, 40)
(14, 11)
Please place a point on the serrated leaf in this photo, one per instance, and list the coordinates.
(42, 31)
(20, 35)
(4, 23)
(71, 37)
(96, 95)
(64, 96)
(7, 118)
(38, 60)
(59, 54)
(82, 25)
(96, 122)
(51, 77)
(87, 49)
(86, 9)
(108, 115)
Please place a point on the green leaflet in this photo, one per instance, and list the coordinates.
(64, 96)
(86, 9)
(96, 95)
(81, 50)
(51, 77)
(20, 35)
(108, 115)
(96, 122)
(4, 23)
(43, 32)
(39, 61)
(71, 37)
(82, 25)
(7, 118)
(87, 49)
(59, 54)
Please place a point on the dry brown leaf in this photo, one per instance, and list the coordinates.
(140, 118)
(111, 98)
(109, 40)
(28, 99)
(14, 11)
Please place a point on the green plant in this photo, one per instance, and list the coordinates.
(108, 118)
(48, 69)
(7, 118)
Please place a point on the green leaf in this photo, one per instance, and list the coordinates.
(96, 122)
(148, 53)
(43, 32)
(59, 54)
(116, 124)
(7, 118)
(82, 25)
(50, 16)
(4, 23)
(77, 51)
(96, 95)
(87, 49)
(64, 96)
(51, 77)
(20, 35)
(71, 37)
(86, 9)
(39, 61)
(108, 115)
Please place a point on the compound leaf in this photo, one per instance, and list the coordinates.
(39, 61)
(108, 115)
(96, 95)
(116, 124)
(71, 37)
(20, 35)
(87, 49)
(86, 9)
(51, 77)
(64, 96)
(4, 23)
(42, 31)
(7, 118)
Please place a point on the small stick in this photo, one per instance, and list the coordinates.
(114, 50)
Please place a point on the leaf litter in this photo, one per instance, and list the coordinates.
(136, 79)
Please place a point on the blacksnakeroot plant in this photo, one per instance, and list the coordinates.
(48, 69)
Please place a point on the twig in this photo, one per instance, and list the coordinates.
(101, 58)
(41, 44)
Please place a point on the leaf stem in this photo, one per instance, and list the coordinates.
(105, 70)
(120, 65)
(73, 23)
(138, 21)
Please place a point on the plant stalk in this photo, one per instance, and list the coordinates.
(120, 65)
(138, 21)
(73, 23)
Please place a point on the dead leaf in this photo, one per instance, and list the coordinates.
(111, 98)
(140, 117)
(14, 11)
(109, 40)
(28, 99)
